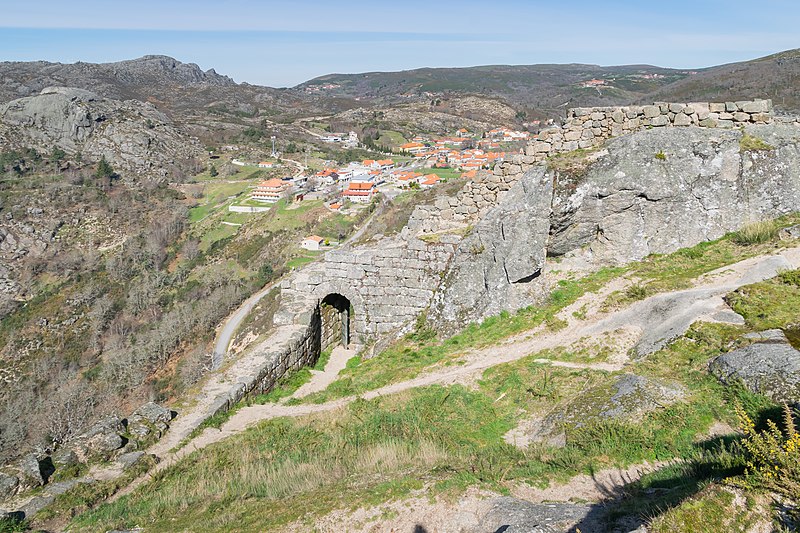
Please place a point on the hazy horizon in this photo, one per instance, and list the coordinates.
(269, 44)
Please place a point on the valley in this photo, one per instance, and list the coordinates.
(547, 297)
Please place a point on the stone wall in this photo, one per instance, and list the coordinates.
(586, 127)
(589, 127)
(388, 283)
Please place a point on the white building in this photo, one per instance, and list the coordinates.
(312, 242)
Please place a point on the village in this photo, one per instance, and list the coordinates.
(424, 162)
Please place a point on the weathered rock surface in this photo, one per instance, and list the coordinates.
(494, 265)
(631, 204)
(770, 366)
(137, 139)
(29, 472)
(148, 419)
(103, 438)
(512, 515)
(8, 485)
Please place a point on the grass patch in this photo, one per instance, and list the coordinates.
(756, 233)
(573, 164)
(774, 303)
(751, 143)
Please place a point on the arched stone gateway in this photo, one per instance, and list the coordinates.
(335, 311)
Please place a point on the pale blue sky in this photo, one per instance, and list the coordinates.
(282, 43)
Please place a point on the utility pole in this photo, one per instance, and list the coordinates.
(274, 153)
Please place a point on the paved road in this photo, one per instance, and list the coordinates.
(229, 328)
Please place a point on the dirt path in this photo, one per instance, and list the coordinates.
(659, 318)
(321, 379)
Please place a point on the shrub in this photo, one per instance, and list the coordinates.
(661, 156)
(756, 233)
(773, 457)
(750, 143)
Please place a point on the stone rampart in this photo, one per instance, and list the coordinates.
(388, 283)
(589, 127)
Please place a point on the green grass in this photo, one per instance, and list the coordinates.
(215, 196)
(774, 303)
(445, 438)
(218, 233)
(751, 143)
(756, 233)
(392, 139)
(444, 173)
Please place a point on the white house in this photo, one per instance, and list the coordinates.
(312, 242)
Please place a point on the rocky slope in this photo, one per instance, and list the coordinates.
(136, 138)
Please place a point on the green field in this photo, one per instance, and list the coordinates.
(444, 173)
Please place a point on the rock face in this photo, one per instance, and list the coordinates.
(133, 136)
(502, 255)
(770, 366)
(631, 204)
(512, 515)
(626, 205)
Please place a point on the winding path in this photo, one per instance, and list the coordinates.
(656, 321)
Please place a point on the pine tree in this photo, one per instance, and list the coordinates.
(104, 170)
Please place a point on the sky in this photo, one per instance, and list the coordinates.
(282, 43)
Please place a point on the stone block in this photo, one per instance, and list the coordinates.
(682, 119)
(541, 147)
(726, 116)
(761, 118)
(661, 120)
(716, 107)
(618, 116)
(597, 116)
(741, 117)
(651, 111)
(756, 106)
(676, 108)
(731, 107)
(708, 123)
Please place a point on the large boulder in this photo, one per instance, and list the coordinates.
(494, 265)
(512, 515)
(29, 472)
(101, 440)
(627, 398)
(769, 366)
(630, 204)
(136, 138)
(149, 419)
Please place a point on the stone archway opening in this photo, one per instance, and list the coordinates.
(335, 314)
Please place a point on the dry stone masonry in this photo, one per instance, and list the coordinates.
(587, 127)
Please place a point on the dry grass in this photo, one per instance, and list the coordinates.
(757, 232)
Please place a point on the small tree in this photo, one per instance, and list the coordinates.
(105, 172)
(212, 171)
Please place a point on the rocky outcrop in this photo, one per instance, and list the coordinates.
(494, 265)
(513, 515)
(631, 203)
(653, 191)
(137, 139)
(627, 399)
(769, 366)
(110, 438)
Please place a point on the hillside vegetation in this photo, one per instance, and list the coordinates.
(441, 441)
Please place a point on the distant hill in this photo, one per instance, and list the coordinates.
(175, 87)
(775, 76)
(546, 87)
(553, 87)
